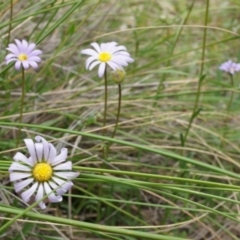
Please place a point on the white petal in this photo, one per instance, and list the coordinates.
(64, 186)
(103, 47)
(31, 149)
(22, 158)
(111, 46)
(113, 65)
(39, 151)
(52, 153)
(39, 196)
(89, 61)
(96, 47)
(93, 64)
(63, 166)
(14, 176)
(101, 69)
(28, 193)
(18, 186)
(45, 146)
(119, 48)
(61, 157)
(66, 175)
(58, 189)
(20, 167)
(51, 196)
(89, 52)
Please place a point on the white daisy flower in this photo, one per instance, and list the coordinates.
(115, 56)
(43, 173)
(23, 54)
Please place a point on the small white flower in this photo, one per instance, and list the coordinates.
(43, 173)
(23, 54)
(115, 56)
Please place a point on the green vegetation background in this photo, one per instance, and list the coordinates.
(164, 178)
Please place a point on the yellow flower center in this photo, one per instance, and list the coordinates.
(42, 172)
(104, 56)
(22, 57)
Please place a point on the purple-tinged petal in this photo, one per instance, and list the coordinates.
(63, 166)
(67, 175)
(52, 154)
(61, 157)
(51, 196)
(14, 176)
(19, 46)
(39, 196)
(10, 55)
(18, 65)
(19, 186)
(10, 60)
(45, 146)
(31, 46)
(28, 193)
(34, 58)
(31, 149)
(13, 48)
(25, 45)
(19, 157)
(25, 64)
(39, 151)
(35, 53)
(16, 166)
(33, 64)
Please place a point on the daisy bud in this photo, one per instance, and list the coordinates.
(118, 76)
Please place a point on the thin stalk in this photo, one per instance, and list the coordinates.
(21, 104)
(105, 146)
(105, 102)
(10, 23)
(232, 94)
(119, 109)
(228, 111)
(195, 108)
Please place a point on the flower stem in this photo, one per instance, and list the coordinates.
(21, 104)
(105, 102)
(10, 23)
(228, 111)
(105, 146)
(119, 109)
(196, 110)
(232, 94)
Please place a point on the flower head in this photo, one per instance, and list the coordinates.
(42, 173)
(115, 56)
(230, 67)
(23, 53)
